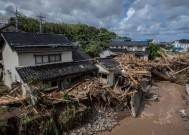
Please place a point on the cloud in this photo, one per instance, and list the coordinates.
(93, 12)
(161, 19)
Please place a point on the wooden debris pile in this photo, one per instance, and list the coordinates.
(180, 68)
(135, 72)
(8, 100)
(40, 105)
(174, 69)
(95, 88)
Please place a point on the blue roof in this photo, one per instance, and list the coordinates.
(137, 39)
(121, 40)
(178, 48)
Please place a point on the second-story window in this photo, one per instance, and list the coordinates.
(41, 59)
(38, 59)
(45, 59)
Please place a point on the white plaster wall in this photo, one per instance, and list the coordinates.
(111, 78)
(102, 69)
(10, 61)
(130, 48)
(67, 56)
(141, 48)
(26, 59)
(136, 48)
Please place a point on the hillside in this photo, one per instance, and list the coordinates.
(74, 32)
(184, 41)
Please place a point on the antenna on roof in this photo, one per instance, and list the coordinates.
(41, 19)
(17, 14)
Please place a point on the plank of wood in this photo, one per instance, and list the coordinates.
(181, 70)
(140, 72)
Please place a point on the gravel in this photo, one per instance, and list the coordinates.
(97, 121)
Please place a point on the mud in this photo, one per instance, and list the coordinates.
(158, 118)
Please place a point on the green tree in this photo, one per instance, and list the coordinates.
(93, 50)
(74, 32)
(154, 51)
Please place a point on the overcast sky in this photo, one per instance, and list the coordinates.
(165, 20)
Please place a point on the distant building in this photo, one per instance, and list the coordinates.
(166, 46)
(4, 21)
(139, 48)
(181, 45)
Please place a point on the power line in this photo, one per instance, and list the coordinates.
(41, 19)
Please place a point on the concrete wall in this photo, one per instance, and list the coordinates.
(28, 59)
(10, 61)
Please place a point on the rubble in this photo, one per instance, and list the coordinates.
(98, 121)
(152, 97)
(187, 89)
(137, 76)
(183, 112)
(170, 69)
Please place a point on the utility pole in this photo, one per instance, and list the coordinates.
(41, 19)
(17, 14)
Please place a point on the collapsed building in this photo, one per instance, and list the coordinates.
(109, 70)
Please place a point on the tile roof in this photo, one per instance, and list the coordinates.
(107, 53)
(22, 41)
(10, 24)
(78, 55)
(108, 62)
(54, 71)
(129, 43)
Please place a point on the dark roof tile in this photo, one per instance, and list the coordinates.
(54, 71)
(79, 55)
(108, 62)
(21, 41)
(129, 43)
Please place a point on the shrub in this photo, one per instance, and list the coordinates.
(154, 51)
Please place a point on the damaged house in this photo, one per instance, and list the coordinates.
(46, 59)
(109, 70)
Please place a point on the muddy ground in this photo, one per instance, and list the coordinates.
(158, 118)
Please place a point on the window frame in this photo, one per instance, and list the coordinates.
(36, 59)
(48, 55)
(43, 59)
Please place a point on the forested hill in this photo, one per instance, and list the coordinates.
(74, 32)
